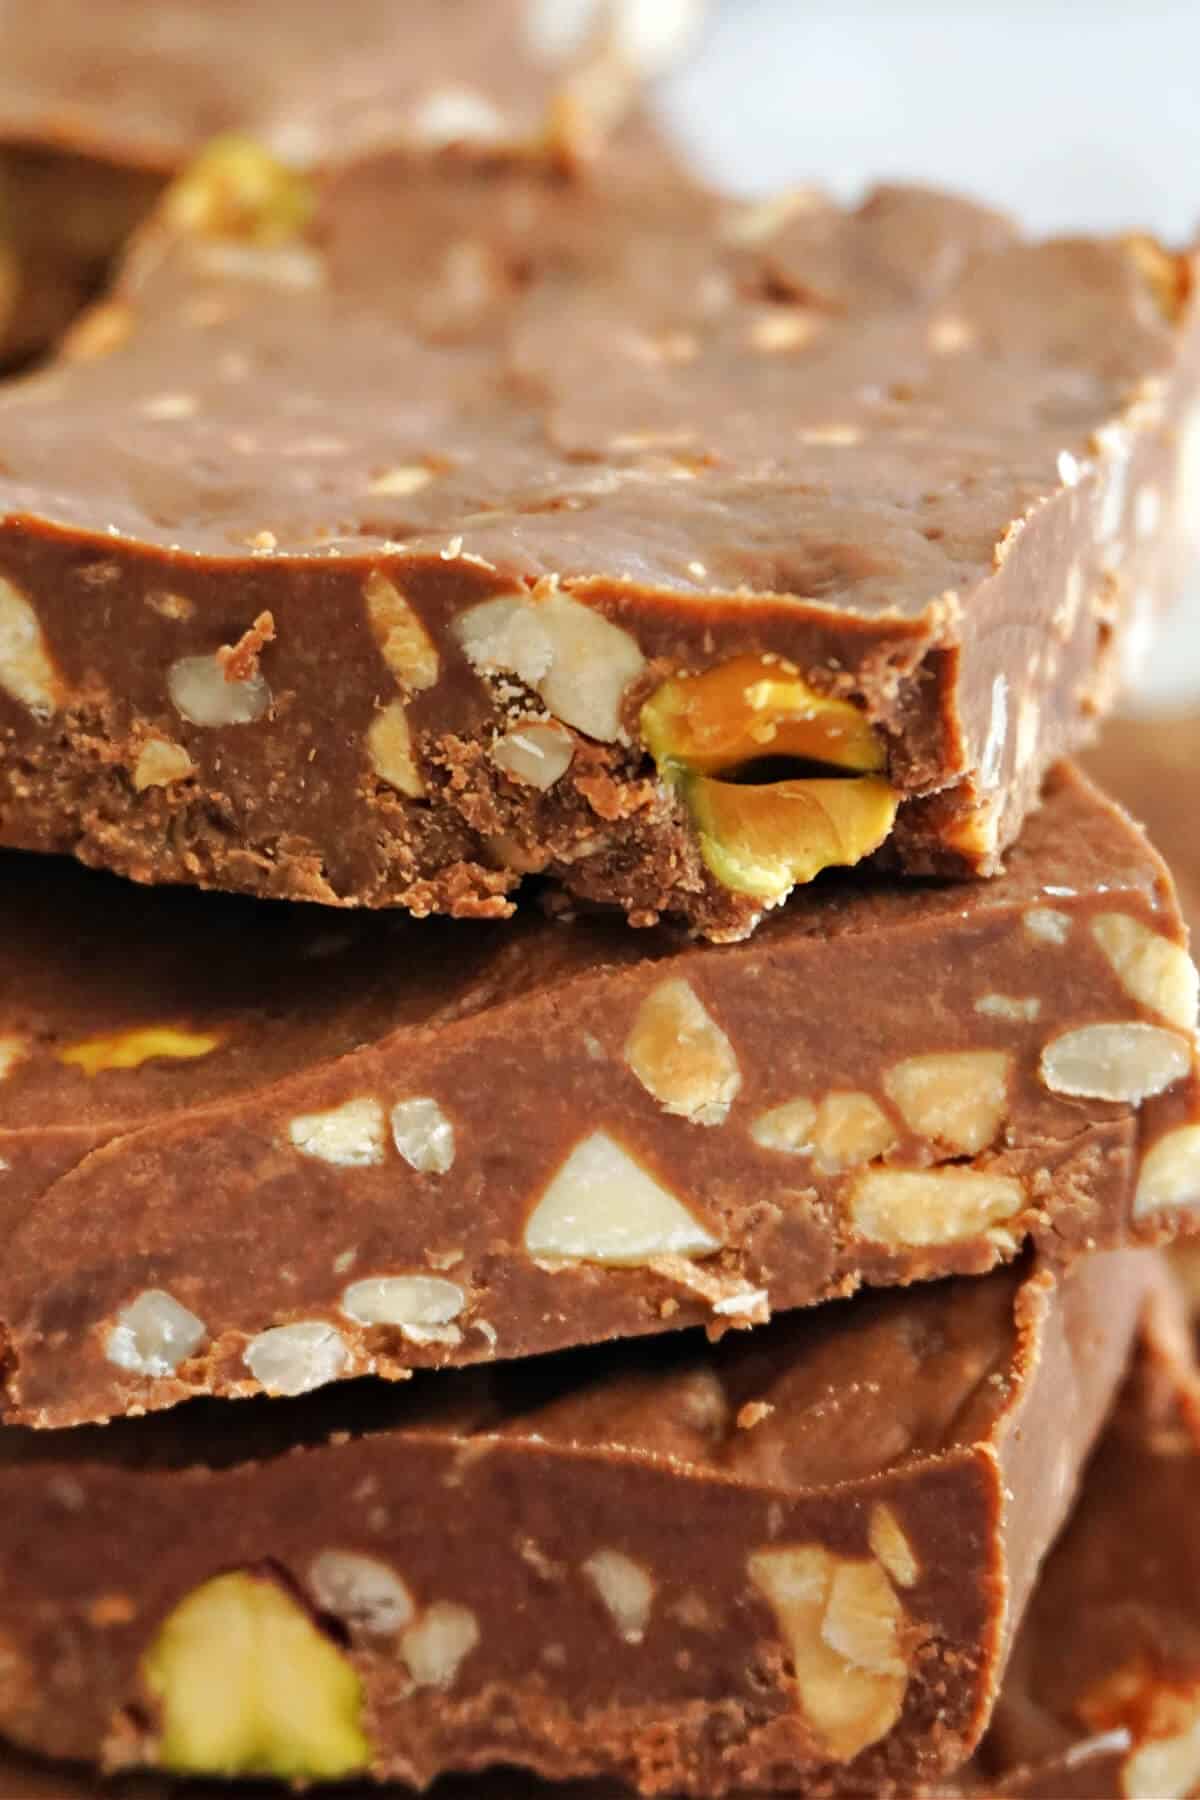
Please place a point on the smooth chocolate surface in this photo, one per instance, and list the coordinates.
(529, 1594)
(1147, 760)
(466, 507)
(252, 1146)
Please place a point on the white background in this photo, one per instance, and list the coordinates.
(1075, 116)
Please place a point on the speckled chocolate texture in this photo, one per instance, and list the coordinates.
(573, 436)
(914, 1451)
(250, 1146)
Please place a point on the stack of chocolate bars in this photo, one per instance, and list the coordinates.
(602, 1242)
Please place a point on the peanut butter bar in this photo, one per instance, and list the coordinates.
(795, 1557)
(250, 1147)
(603, 528)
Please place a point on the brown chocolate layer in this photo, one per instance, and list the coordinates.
(867, 1492)
(567, 440)
(1148, 762)
(247, 1146)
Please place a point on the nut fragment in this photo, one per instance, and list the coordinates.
(236, 189)
(626, 1590)
(906, 1207)
(749, 708)
(159, 763)
(1123, 1061)
(201, 694)
(841, 1620)
(850, 1129)
(422, 1306)
(537, 754)
(891, 1547)
(390, 748)
(27, 671)
(129, 1049)
(1170, 1171)
(1047, 926)
(350, 1135)
(1160, 1712)
(154, 1334)
(294, 1359)
(405, 645)
(246, 1684)
(435, 1647)
(601, 1206)
(364, 1594)
(1158, 974)
(787, 1128)
(681, 1056)
(13, 1049)
(423, 1135)
(763, 841)
(575, 659)
(1008, 1006)
(958, 1098)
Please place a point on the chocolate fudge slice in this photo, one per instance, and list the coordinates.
(796, 1556)
(602, 528)
(256, 1147)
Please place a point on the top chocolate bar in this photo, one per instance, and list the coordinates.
(383, 544)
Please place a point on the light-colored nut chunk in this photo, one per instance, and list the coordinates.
(13, 1050)
(363, 1593)
(159, 763)
(787, 1128)
(601, 1206)
(423, 1135)
(1161, 1714)
(130, 1049)
(1170, 1171)
(573, 657)
(27, 671)
(955, 1097)
(390, 748)
(1046, 925)
(405, 645)
(841, 1621)
(422, 1306)
(890, 1546)
(1017, 1007)
(1158, 974)
(1124, 1061)
(851, 1129)
(201, 694)
(154, 1334)
(537, 754)
(247, 1685)
(294, 1359)
(907, 1207)
(436, 1646)
(681, 1056)
(626, 1590)
(350, 1135)
(457, 115)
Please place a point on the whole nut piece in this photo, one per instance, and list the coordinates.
(1124, 1061)
(390, 749)
(681, 1056)
(1154, 971)
(350, 1136)
(421, 1306)
(958, 1098)
(913, 1207)
(601, 1206)
(1170, 1172)
(154, 1334)
(536, 754)
(435, 1647)
(295, 1359)
(365, 1594)
(423, 1135)
(246, 1684)
(405, 645)
(201, 694)
(575, 659)
(27, 671)
(626, 1589)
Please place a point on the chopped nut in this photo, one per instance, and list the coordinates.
(575, 659)
(350, 1135)
(236, 189)
(891, 1547)
(626, 1590)
(1154, 971)
(247, 1685)
(681, 1056)
(159, 763)
(27, 671)
(907, 1207)
(294, 1359)
(405, 479)
(1170, 1171)
(781, 329)
(1047, 926)
(956, 1097)
(366, 1595)
(421, 1305)
(851, 1129)
(405, 645)
(787, 1128)
(457, 115)
(201, 694)
(1008, 1006)
(435, 1647)
(423, 1135)
(841, 1621)
(1159, 1712)
(154, 1334)
(763, 841)
(13, 1050)
(389, 746)
(129, 1049)
(537, 754)
(753, 1413)
(601, 1206)
(168, 605)
(1123, 1061)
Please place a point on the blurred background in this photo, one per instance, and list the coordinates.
(1074, 116)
